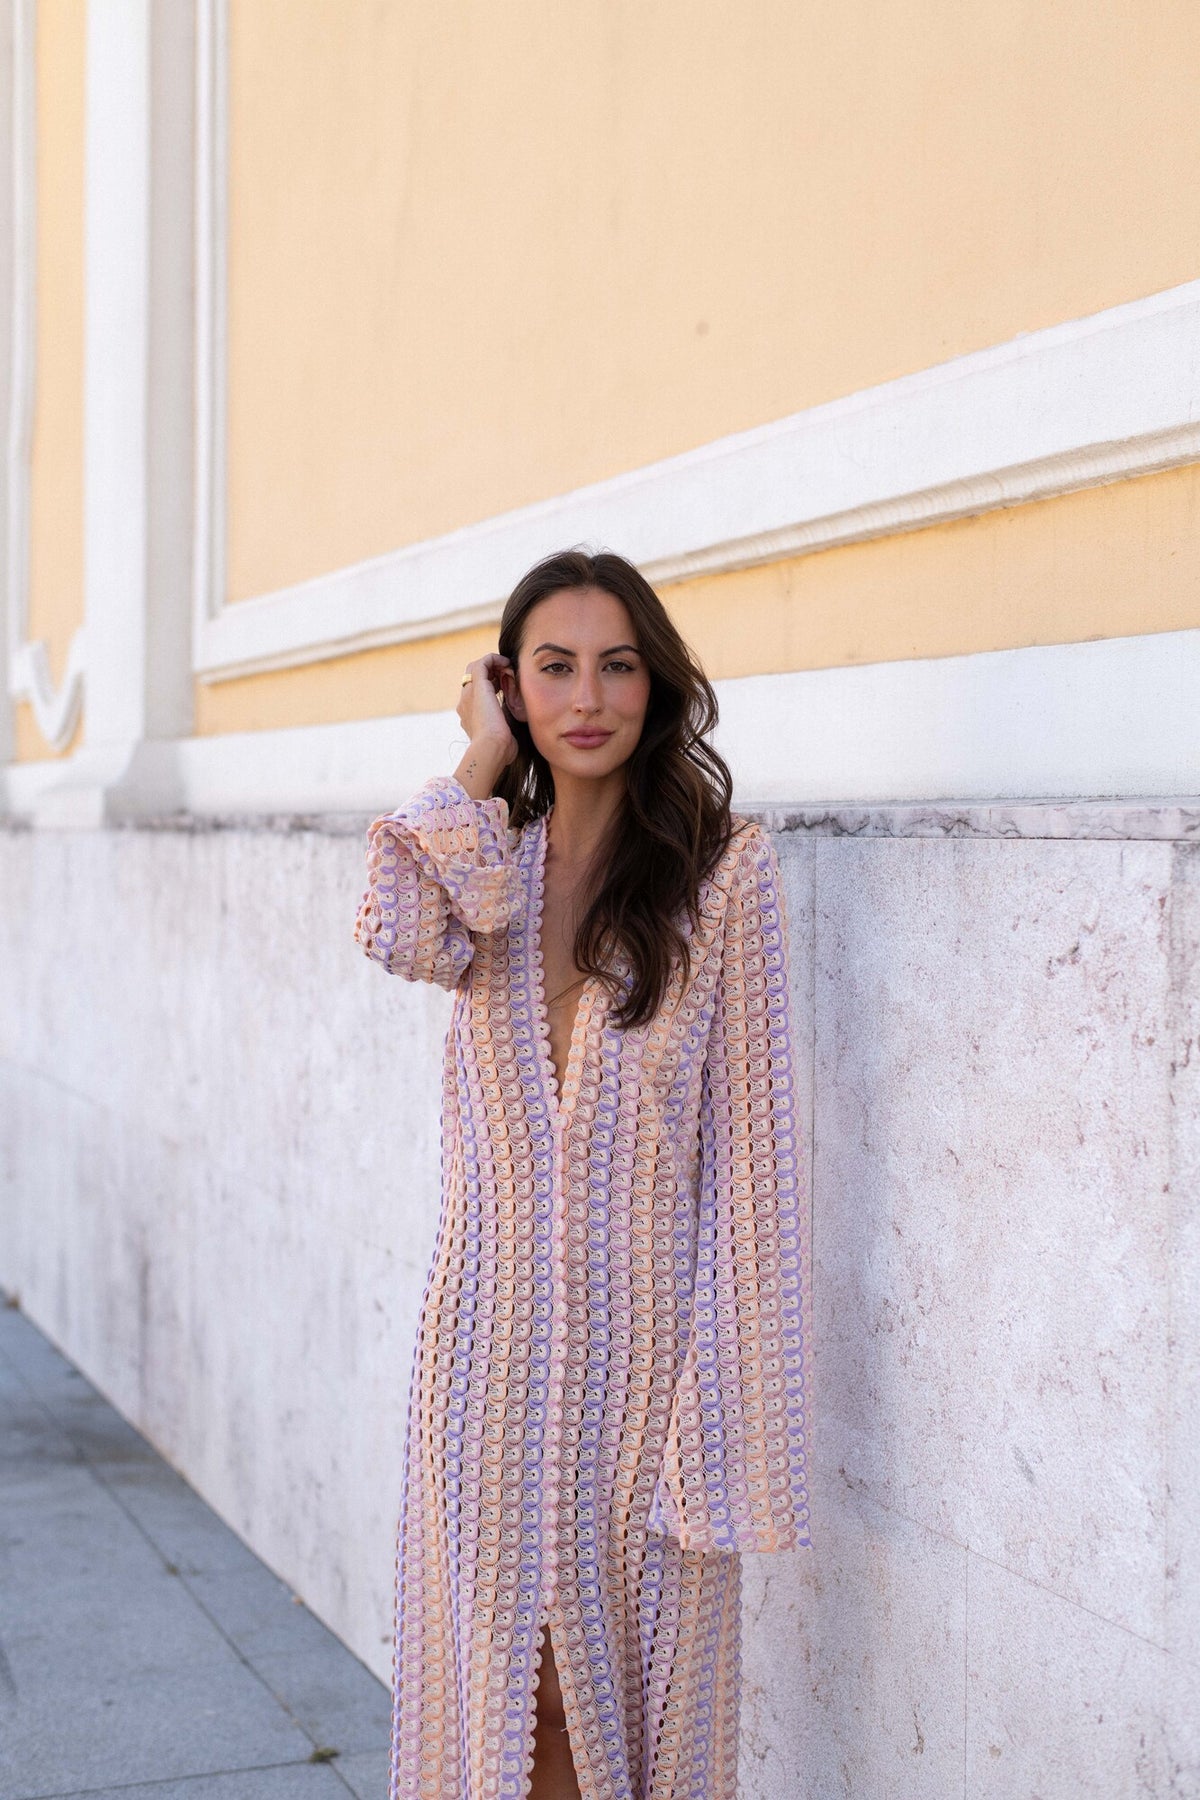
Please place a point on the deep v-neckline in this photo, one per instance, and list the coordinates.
(555, 1089)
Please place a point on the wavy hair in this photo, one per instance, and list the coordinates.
(674, 824)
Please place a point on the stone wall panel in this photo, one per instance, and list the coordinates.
(991, 1214)
(218, 1155)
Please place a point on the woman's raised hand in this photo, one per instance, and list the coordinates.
(491, 746)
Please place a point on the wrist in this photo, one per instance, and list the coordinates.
(482, 763)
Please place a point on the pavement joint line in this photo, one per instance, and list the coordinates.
(133, 1787)
(169, 1566)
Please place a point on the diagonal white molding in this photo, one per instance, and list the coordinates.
(1095, 400)
(55, 709)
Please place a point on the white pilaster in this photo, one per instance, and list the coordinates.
(137, 413)
(7, 271)
(116, 367)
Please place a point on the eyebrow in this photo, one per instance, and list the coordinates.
(563, 651)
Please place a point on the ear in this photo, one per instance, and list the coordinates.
(512, 694)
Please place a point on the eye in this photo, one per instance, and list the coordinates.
(622, 668)
(552, 668)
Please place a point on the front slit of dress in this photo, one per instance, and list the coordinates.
(555, 1095)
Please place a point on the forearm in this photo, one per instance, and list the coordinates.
(438, 869)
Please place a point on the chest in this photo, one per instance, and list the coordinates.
(561, 979)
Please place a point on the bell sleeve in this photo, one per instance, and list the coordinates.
(733, 1476)
(438, 870)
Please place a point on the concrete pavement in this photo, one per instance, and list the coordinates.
(143, 1649)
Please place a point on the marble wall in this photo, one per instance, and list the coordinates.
(218, 1146)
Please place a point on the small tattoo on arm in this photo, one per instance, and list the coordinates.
(470, 769)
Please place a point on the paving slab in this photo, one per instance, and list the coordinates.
(258, 1613)
(144, 1649)
(337, 1701)
(365, 1773)
(163, 1723)
(189, 1534)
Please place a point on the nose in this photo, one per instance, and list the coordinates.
(586, 698)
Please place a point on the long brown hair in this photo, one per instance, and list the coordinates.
(675, 822)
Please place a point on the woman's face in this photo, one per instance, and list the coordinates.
(581, 686)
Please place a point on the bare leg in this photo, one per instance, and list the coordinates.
(553, 1768)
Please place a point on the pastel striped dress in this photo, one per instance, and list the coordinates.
(608, 1392)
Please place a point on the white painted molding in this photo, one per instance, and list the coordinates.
(55, 709)
(1095, 400)
(116, 367)
(1111, 719)
(211, 226)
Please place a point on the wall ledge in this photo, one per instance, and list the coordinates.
(1100, 821)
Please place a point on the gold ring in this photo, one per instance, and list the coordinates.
(467, 679)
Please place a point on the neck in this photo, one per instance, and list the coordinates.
(583, 812)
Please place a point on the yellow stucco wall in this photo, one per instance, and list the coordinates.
(56, 479)
(1110, 561)
(480, 255)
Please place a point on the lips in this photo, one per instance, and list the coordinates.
(587, 740)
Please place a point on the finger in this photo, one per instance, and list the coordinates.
(485, 667)
(478, 700)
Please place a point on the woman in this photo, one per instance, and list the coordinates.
(607, 1402)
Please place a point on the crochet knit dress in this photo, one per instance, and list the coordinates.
(608, 1392)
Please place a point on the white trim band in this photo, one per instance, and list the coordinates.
(1114, 719)
(1096, 400)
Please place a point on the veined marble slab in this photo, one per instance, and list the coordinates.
(992, 1220)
